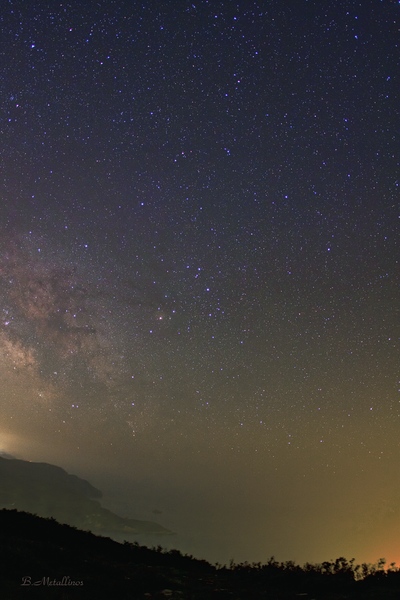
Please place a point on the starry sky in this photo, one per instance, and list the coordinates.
(199, 265)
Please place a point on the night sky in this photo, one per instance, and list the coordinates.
(199, 266)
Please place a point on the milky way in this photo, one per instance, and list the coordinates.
(199, 260)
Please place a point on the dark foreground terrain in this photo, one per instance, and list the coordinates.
(42, 559)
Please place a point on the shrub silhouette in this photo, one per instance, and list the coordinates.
(40, 548)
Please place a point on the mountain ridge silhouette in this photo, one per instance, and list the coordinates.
(49, 491)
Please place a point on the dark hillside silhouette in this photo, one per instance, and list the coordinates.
(37, 553)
